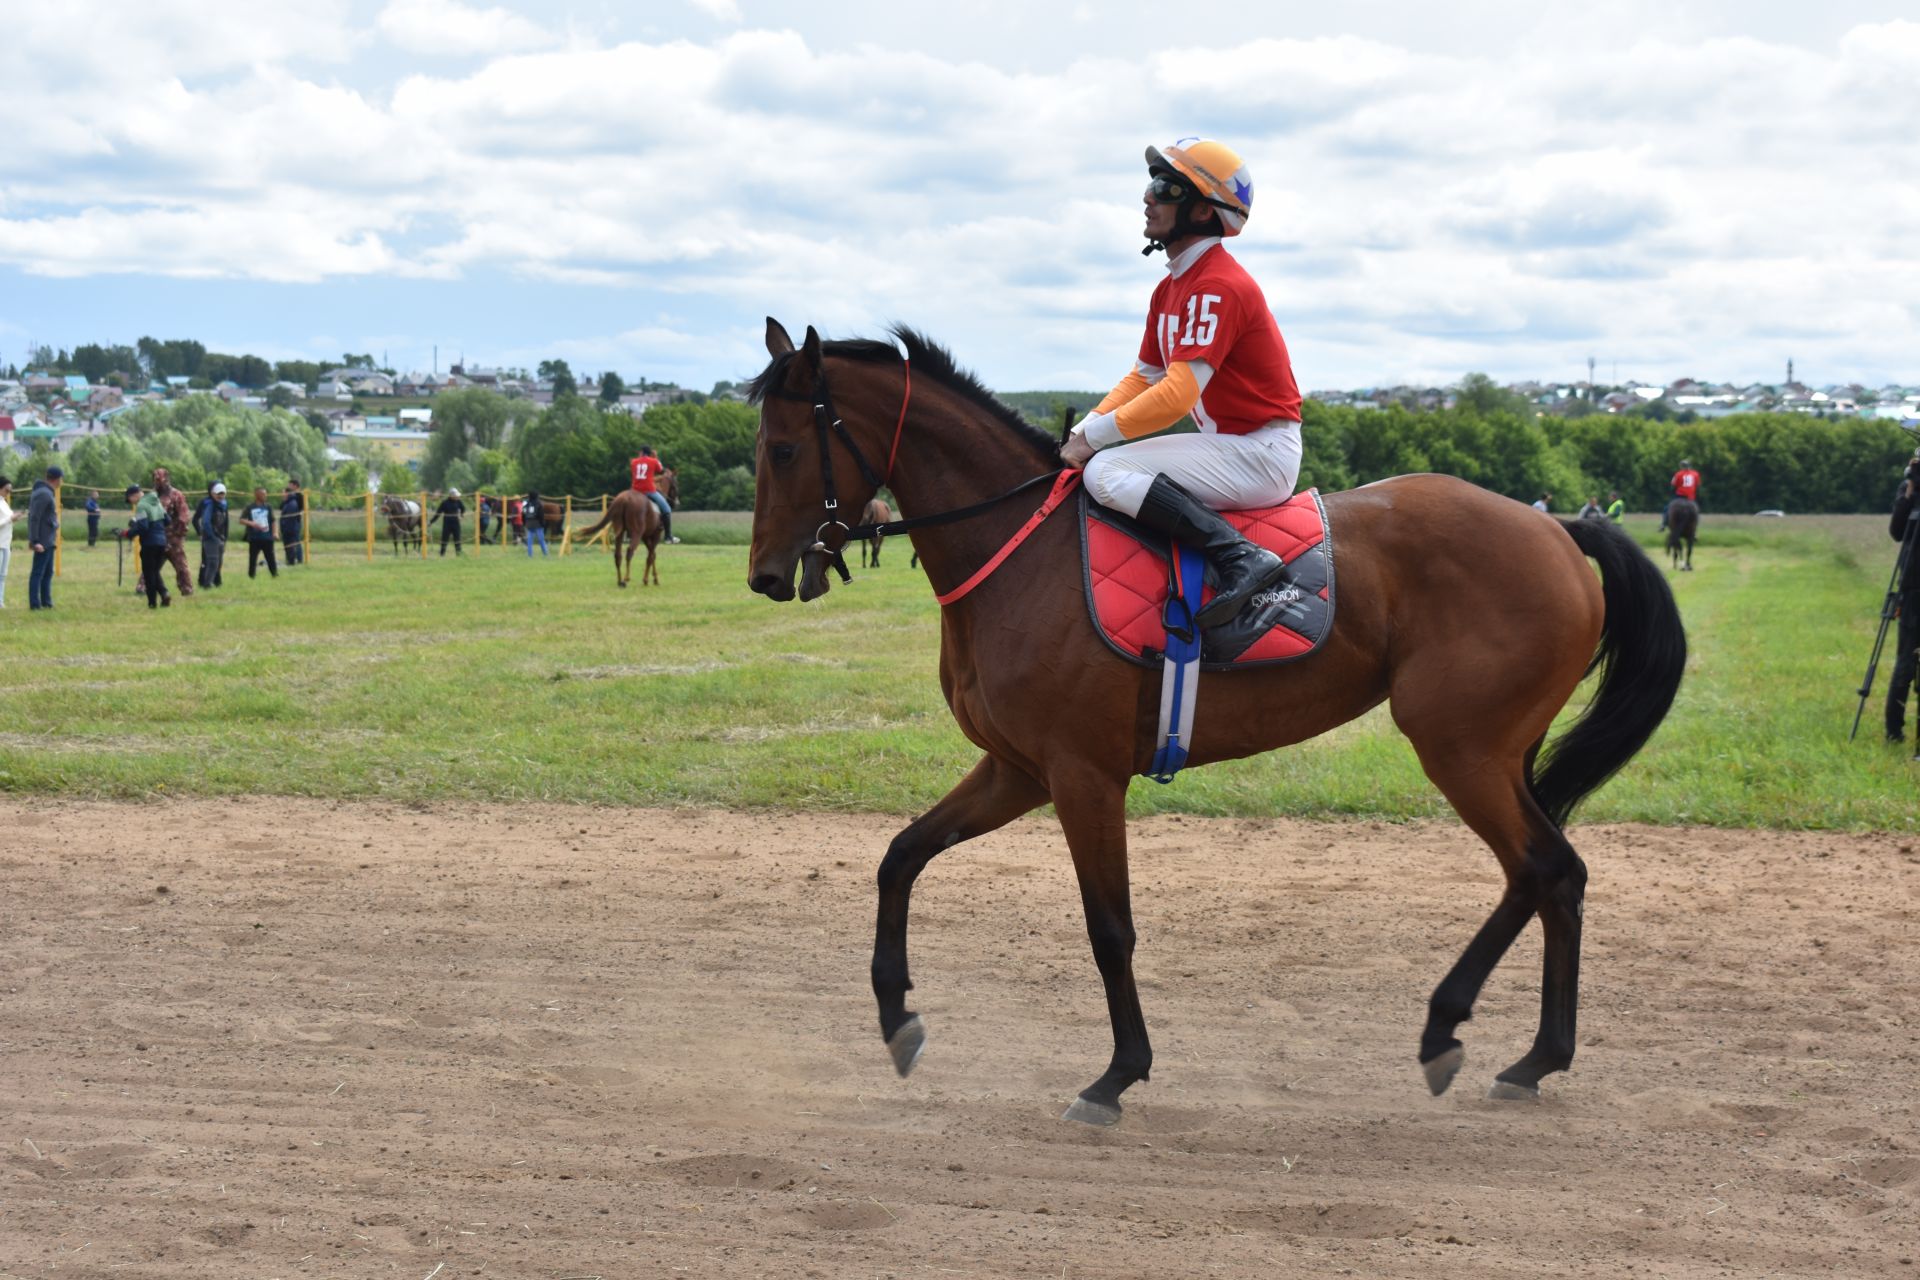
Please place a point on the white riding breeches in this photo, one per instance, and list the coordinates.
(1227, 473)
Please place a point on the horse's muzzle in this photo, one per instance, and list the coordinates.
(772, 585)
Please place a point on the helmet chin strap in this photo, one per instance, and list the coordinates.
(1184, 226)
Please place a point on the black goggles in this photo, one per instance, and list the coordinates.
(1165, 190)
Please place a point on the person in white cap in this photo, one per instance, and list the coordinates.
(450, 510)
(210, 522)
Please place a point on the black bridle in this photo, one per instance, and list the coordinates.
(826, 421)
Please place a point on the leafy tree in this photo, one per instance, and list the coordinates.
(305, 372)
(465, 420)
(562, 376)
(279, 397)
(611, 388)
(361, 361)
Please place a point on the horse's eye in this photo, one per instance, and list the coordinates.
(782, 453)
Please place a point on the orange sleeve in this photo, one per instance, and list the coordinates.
(1124, 392)
(1160, 405)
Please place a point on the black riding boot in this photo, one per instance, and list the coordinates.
(1240, 568)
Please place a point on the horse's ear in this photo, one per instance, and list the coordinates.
(811, 351)
(779, 342)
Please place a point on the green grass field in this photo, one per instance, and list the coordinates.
(496, 678)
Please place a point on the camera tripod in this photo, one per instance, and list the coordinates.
(1889, 610)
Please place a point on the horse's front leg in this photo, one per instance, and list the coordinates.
(1093, 813)
(989, 797)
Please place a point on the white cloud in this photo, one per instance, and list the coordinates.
(724, 10)
(450, 29)
(1701, 199)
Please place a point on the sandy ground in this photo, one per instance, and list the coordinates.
(283, 1038)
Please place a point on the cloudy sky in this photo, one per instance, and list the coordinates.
(1687, 187)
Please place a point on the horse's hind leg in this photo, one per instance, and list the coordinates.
(990, 796)
(1545, 877)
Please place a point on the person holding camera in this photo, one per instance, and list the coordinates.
(1906, 659)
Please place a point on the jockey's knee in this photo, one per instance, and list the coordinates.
(1115, 484)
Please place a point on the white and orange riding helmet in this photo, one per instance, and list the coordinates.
(1215, 175)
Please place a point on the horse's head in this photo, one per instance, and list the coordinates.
(670, 487)
(791, 518)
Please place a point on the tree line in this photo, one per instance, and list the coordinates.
(483, 440)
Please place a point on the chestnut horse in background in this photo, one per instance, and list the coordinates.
(1474, 617)
(877, 512)
(635, 521)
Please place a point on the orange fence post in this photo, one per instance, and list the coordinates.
(306, 528)
(421, 526)
(368, 498)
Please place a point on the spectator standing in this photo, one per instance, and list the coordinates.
(486, 517)
(1543, 503)
(1616, 509)
(1906, 659)
(210, 521)
(1592, 510)
(293, 509)
(449, 512)
(534, 516)
(6, 535)
(178, 518)
(43, 534)
(149, 530)
(258, 522)
(517, 519)
(93, 518)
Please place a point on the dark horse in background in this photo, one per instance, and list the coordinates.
(636, 522)
(1683, 523)
(403, 522)
(877, 512)
(1471, 616)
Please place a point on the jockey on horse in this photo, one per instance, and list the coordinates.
(647, 470)
(1211, 349)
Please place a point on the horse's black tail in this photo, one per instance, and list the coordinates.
(1643, 650)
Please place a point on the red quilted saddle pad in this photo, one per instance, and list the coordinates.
(1127, 578)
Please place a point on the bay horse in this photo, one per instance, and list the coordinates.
(1473, 616)
(636, 522)
(403, 521)
(1683, 523)
(877, 512)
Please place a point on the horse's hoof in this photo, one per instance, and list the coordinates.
(907, 1044)
(1442, 1070)
(1097, 1114)
(1508, 1091)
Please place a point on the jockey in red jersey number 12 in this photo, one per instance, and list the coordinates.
(1211, 349)
(646, 472)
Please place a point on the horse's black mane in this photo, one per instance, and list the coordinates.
(929, 360)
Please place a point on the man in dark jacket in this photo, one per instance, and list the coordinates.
(93, 519)
(293, 510)
(450, 510)
(43, 532)
(210, 521)
(1905, 528)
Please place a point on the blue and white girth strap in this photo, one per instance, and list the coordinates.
(1180, 668)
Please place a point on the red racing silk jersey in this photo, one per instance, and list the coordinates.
(1213, 311)
(1686, 484)
(646, 469)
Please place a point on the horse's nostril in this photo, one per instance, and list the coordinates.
(764, 583)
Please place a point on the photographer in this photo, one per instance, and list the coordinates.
(1904, 661)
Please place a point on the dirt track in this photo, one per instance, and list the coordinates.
(348, 1040)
